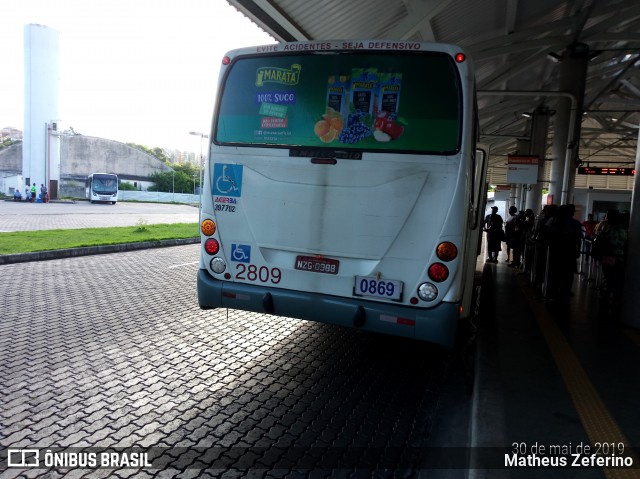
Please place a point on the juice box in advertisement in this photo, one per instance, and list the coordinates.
(364, 83)
(389, 87)
(337, 89)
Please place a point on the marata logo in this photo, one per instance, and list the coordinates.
(284, 76)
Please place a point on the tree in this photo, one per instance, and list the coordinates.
(155, 152)
(181, 180)
(7, 142)
(178, 181)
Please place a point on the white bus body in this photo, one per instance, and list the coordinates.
(343, 186)
(102, 187)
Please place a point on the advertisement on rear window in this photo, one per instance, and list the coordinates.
(370, 101)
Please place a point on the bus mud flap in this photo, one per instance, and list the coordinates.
(359, 317)
(267, 303)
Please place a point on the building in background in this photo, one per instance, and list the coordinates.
(80, 156)
(10, 133)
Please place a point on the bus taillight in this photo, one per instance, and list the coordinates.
(438, 272)
(460, 57)
(212, 246)
(446, 251)
(208, 227)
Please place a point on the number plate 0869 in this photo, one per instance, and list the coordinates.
(377, 288)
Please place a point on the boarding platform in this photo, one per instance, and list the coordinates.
(558, 374)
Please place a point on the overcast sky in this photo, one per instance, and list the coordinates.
(143, 71)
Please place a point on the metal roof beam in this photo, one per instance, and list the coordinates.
(510, 17)
(609, 84)
(600, 36)
(625, 13)
(272, 19)
(423, 13)
(523, 36)
(425, 30)
(510, 70)
(630, 86)
(549, 43)
(623, 101)
(581, 17)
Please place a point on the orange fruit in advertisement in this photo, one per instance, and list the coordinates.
(321, 128)
(329, 136)
(329, 128)
(336, 123)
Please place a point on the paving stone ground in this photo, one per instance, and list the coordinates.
(113, 351)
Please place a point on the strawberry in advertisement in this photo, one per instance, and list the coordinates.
(388, 124)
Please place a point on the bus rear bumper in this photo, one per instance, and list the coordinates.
(437, 324)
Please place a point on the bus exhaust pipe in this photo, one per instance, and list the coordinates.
(267, 303)
(359, 317)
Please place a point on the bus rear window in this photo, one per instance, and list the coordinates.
(365, 101)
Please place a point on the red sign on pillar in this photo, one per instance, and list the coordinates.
(522, 169)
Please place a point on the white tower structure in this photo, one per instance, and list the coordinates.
(40, 146)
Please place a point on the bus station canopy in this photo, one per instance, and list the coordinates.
(516, 47)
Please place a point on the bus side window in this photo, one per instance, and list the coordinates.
(479, 167)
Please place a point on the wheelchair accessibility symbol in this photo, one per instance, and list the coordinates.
(227, 179)
(241, 253)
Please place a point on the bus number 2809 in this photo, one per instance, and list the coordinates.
(250, 272)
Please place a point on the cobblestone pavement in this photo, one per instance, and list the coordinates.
(37, 216)
(113, 351)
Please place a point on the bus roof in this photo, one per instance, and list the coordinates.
(347, 45)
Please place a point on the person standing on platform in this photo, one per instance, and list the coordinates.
(541, 239)
(589, 227)
(510, 230)
(564, 234)
(34, 193)
(610, 250)
(495, 234)
(518, 239)
(528, 239)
